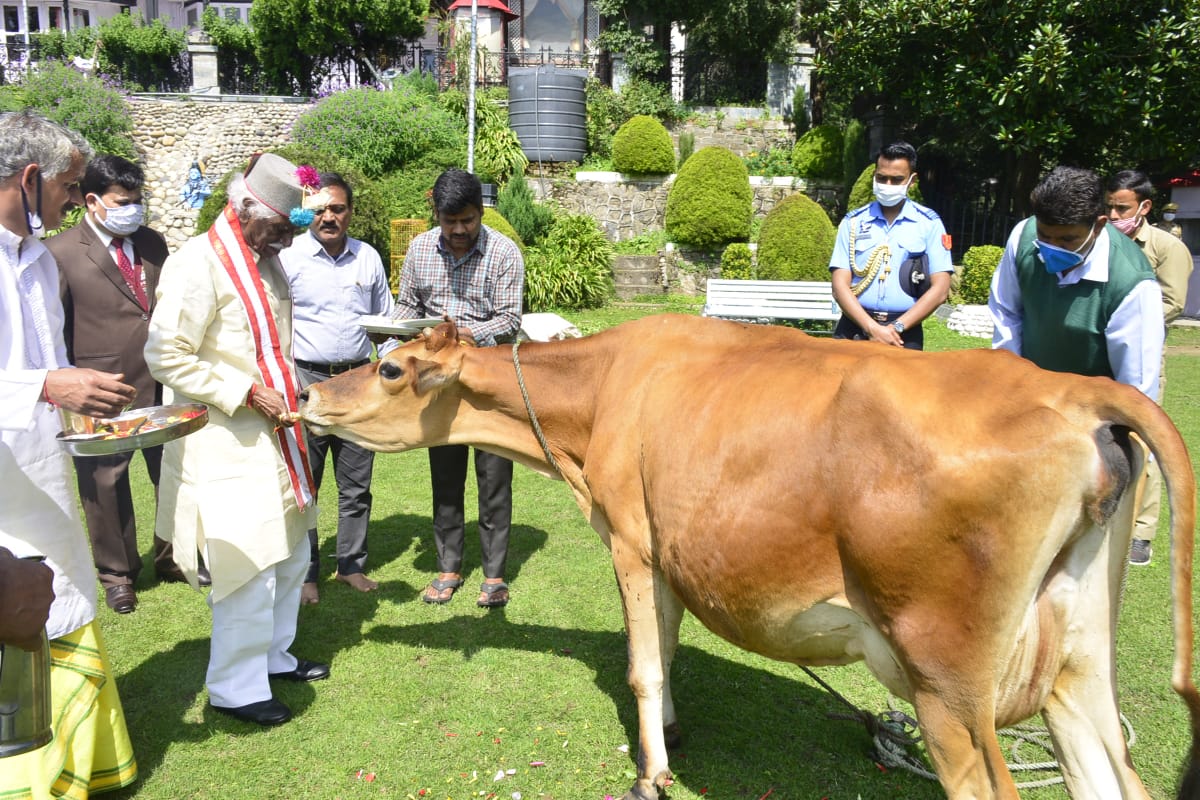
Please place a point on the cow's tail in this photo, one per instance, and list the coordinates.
(1153, 427)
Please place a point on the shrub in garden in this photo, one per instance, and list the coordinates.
(798, 117)
(710, 203)
(646, 243)
(370, 222)
(854, 152)
(87, 105)
(146, 57)
(498, 152)
(380, 131)
(817, 154)
(406, 191)
(687, 146)
(59, 45)
(571, 269)
(978, 265)
(496, 221)
(608, 110)
(642, 146)
(773, 162)
(737, 262)
(796, 241)
(515, 201)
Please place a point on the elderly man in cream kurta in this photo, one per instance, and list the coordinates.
(239, 488)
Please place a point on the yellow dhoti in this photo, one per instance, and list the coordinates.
(90, 752)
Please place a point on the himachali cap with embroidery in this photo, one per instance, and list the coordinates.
(273, 181)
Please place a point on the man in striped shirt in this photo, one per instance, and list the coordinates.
(475, 275)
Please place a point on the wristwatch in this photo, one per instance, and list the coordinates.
(899, 326)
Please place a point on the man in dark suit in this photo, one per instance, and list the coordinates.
(108, 267)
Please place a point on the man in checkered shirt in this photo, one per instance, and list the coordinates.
(475, 275)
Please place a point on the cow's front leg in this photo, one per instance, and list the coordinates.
(642, 592)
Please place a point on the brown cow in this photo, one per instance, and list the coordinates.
(960, 521)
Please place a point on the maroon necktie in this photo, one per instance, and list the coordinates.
(130, 273)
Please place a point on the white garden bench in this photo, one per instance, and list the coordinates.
(764, 301)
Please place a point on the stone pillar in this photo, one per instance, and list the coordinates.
(205, 78)
(784, 77)
(620, 72)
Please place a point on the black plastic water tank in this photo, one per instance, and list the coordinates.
(547, 107)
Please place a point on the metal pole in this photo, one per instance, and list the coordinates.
(25, 24)
(471, 89)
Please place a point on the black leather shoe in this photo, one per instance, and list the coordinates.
(305, 671)
(121, 598)
(205, 578)
(172, 574)
(264, 712)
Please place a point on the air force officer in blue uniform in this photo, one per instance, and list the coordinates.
(891, 263)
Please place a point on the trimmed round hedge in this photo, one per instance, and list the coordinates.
(710, 204)
(796, 241)
(978, 265)
(642, 146)
(817, 154)
(493, 219)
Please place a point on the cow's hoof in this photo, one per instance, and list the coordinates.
(673, 736)
(643, 790)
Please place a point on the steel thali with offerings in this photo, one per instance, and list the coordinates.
(135, 429)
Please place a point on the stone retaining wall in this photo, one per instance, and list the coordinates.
(741, 136)
(171, 134)
(627, 207)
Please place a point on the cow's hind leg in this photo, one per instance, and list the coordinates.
(670, 610)
(643, 599)
(961, 742)
(1081, 710)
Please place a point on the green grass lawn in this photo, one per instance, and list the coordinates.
(435, 701)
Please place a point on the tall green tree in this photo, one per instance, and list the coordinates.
(1015, 88)
(299, 41)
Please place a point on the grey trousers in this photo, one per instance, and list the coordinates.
(493, 474)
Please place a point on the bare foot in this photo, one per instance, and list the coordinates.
(358, 581)
(309, 596)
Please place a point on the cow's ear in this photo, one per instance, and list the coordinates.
(427, 376)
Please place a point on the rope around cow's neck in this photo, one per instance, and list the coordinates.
(533, 420)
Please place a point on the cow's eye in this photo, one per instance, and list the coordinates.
(390, 371)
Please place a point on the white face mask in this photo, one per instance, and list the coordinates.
(1168, 216)
(123, 220)
(888, 195)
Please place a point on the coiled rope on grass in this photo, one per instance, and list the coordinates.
(897, 737)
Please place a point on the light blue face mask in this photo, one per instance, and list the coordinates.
(1060, 259)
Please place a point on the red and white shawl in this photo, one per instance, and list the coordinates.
(229, 244)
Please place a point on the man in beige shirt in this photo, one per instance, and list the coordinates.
(1128, 201)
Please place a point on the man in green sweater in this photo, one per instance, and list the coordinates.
(1072, 294)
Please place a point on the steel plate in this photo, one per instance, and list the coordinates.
(81, 443)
